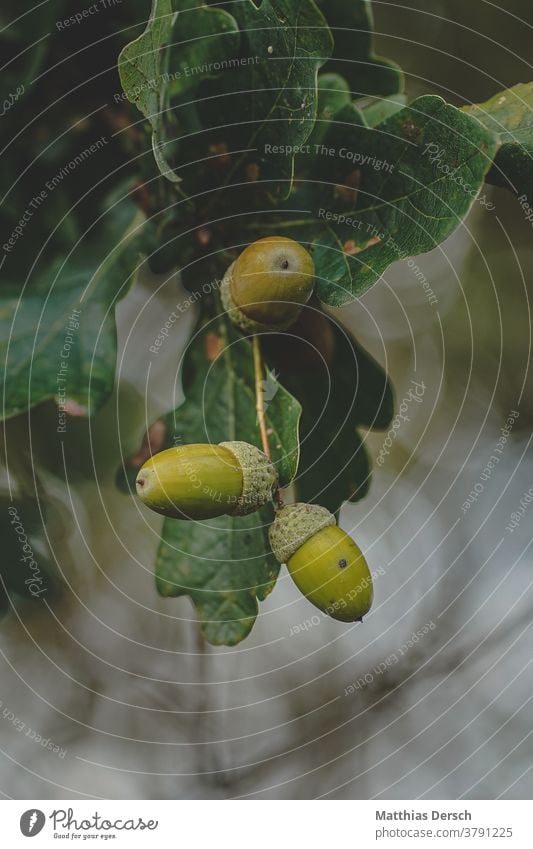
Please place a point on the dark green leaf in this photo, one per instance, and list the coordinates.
(274, 93)
(204, 40)
(340, 389)
(225, 565)
(142, 67)
(333, 94)
(352, 26)
(377, 109)
(387, 196)
(334, 471)
(229, 378)
(25, 37)
(332, 265)
(283, 417)
(509, 115)
(58, 338)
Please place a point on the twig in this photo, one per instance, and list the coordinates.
(260, 406)
(260, 394)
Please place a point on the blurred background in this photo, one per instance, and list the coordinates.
(431, 697)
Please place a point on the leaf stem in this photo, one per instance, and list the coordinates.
(259, 373)
(260, 394)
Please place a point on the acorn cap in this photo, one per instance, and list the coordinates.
(259, 477)
(249, 325)
(294, 525)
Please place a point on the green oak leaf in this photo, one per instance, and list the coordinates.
(352, 25)
(333, 94)
(333, 266)
(226, 565)
(509, 115)
(377, 109)
(204, 40)
(180, 47)
(58, 336)
(25, 37)
(338, 396)
(229, 377)
(268, 107)
(142, 66)
(337, 471)
(383, 192)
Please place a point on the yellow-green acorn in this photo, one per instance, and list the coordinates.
(269, 283)
(205, 481)
(323, 560)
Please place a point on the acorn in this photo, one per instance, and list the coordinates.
(267, 286)
(205, 481)
(324, 562)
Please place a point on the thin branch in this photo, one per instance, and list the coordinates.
(260, 394)
(259, 373)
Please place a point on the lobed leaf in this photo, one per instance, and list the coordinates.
(226, 565)
(375, 110)
(142, 66)
(58, 336)
(340, 390)
(509, 115)
(333, 94)
(272, 99)
(391, 192)
(204, 40)
(218, 369)
(352, 25)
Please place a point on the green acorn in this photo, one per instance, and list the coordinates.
(324, 562)
(267, 286)
(205, 481)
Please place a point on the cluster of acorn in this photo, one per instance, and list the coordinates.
(265, 289)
